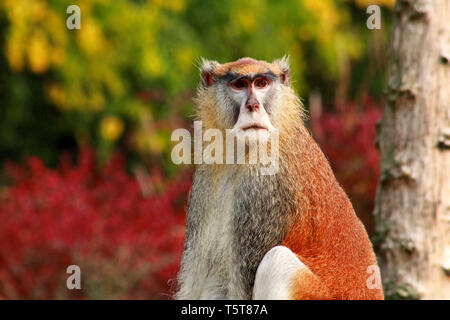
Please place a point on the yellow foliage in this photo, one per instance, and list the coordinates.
(57, 95)
(174, 5)
(17, 11)
(56, 29)
(14, 52)
(38, 53)
(113, 83)
(246, 19)
(58, 56)
(97, 101)
(152, 62)
(90, 37)
(305, 32)
(38, 10)
(366, 3)
(147, 138)
(36, 34)
(111, 128)
(325, 11)
(184, 57)
(156, 142)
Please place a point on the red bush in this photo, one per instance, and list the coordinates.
(126, 244)
(347, 137)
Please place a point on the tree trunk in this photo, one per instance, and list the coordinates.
(413, 199)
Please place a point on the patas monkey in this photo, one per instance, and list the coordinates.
(290, 235)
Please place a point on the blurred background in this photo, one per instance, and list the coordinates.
(86, 117)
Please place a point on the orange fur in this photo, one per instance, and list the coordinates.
(307, 286)
(247, 66)
(327, 236)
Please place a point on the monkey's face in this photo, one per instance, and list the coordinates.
(247, 95)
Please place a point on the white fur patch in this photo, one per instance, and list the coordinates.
(275, 274)
(208, 271)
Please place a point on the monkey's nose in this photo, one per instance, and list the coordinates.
(252, 107)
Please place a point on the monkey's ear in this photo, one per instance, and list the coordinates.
(285, 71)
(207, 71)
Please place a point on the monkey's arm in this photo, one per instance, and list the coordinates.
(282, 276)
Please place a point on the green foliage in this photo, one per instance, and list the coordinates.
(403, 291)
(126, 78)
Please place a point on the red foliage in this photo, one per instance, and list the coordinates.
(127, 245)
(347, 137)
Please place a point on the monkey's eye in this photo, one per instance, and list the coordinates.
(239, 84)
(261, 83)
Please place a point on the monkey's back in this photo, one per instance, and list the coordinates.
(327, 236)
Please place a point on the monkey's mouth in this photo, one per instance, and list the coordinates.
(254, 127)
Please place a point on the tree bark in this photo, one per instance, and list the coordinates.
(413, 199)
